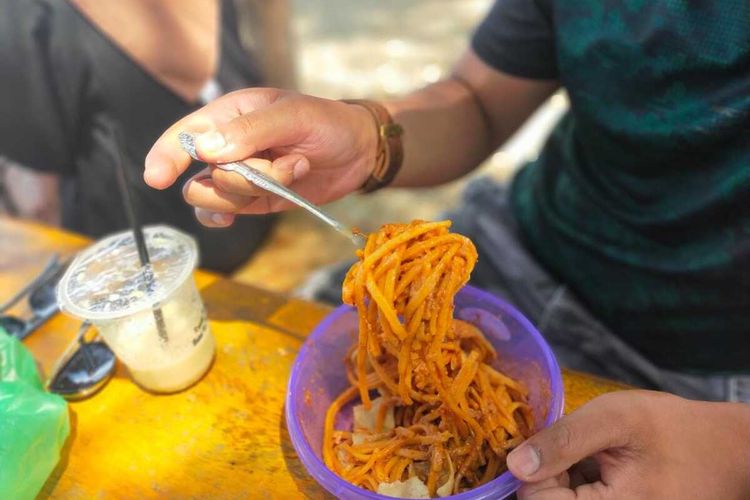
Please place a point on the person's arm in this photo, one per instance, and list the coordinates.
(325, 149)
(38, 107)
(30, 194)
(452, 126)
(639, 445)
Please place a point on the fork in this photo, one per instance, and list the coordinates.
(255, 176)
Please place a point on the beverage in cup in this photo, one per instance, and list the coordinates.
(107, 285)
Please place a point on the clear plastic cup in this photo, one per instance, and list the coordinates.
(106, 285)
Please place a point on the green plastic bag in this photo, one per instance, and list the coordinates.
(33, 423)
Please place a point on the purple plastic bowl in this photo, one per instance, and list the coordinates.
(318, 377)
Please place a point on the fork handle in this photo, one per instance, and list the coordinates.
(264, 182)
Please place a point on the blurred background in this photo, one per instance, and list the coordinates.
(380, 49)
(342, 49)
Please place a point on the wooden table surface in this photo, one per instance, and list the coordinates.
(223, 438)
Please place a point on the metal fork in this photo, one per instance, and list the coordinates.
(187, 141)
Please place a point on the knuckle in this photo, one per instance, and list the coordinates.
(305, 108)
(224, 182)
(237, 94)
(191, 190)
(229, 96)
(652, 407)
(562, 438)
(244, 126)
(273, 94)
(298, 110)
(636, 412)
(283, 176)
(618, 407)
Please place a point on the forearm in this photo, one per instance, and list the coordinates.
(451, 126)
(324, 149)
(445, 133)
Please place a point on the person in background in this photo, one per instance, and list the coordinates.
(627, 241)
(72, 68)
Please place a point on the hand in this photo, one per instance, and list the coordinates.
(639, 445)
(320, 148)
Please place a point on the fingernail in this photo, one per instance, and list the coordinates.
(210, 142)
(299, 169)
(219, 218)
(525, 459)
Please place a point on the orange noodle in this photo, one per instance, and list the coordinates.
(443, 415)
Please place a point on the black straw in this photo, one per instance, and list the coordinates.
(140, 241)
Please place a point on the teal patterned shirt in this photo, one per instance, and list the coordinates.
(640, 201)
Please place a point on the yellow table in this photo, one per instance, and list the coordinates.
(223, 438)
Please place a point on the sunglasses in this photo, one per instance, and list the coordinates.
(42, 301)
(85, 366)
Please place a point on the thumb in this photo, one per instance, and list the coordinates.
(272, 126)
(603, 423)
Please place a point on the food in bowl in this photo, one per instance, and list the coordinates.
(434, 417)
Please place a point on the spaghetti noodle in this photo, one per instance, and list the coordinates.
(445, 418)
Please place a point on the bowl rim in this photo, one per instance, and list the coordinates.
(504, 484)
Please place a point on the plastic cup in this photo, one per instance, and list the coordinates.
(107, 285)
(318, 376)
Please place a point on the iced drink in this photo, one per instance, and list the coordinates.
(107, 285)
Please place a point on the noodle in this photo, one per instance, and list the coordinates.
(456, 417)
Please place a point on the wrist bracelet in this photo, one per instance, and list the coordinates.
(390, 151)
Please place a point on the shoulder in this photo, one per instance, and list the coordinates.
(43, 66)
(20, 12)
(34, 22)
(518, 38)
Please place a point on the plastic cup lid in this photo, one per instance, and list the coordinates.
(107, 281)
